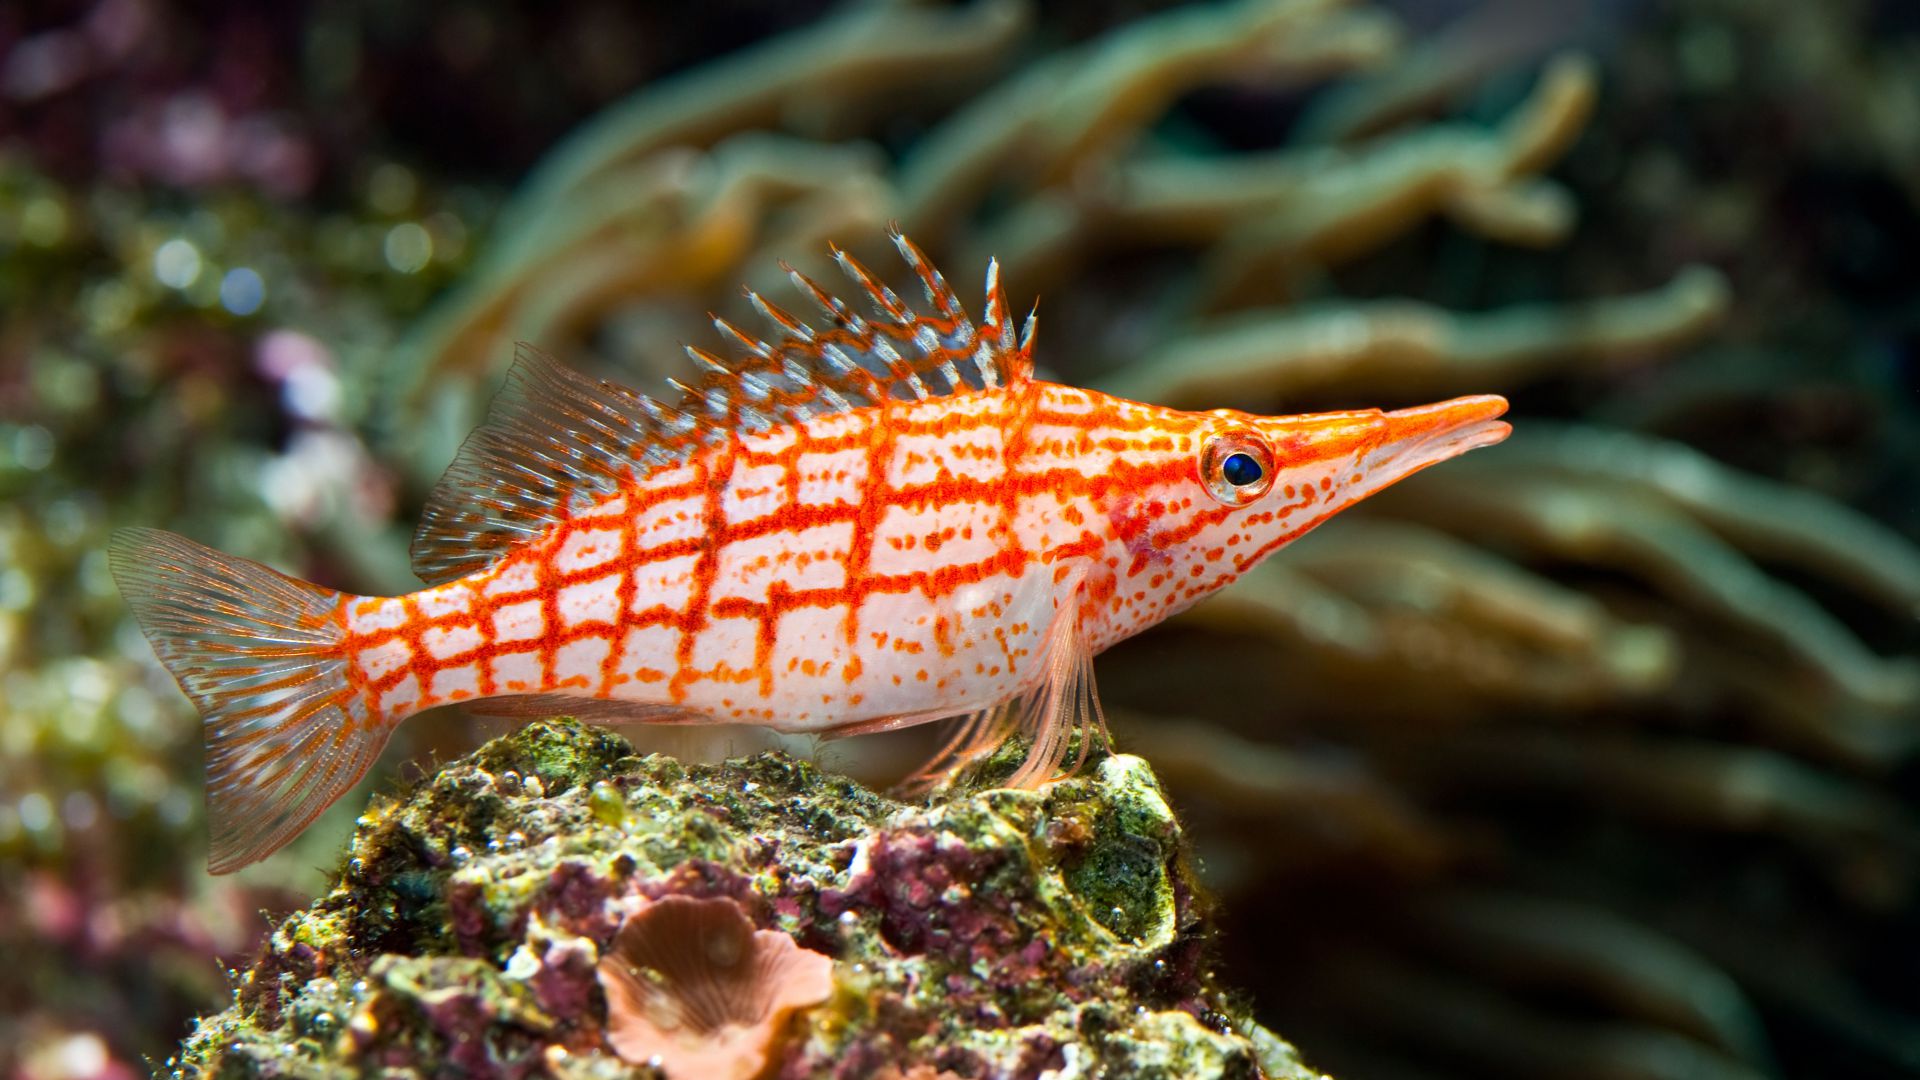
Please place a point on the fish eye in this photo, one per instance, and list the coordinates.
(1241, 470)
(1237, 467)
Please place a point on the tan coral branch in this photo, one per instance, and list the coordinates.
(1400, 1001)
(1413, 348)
(1769, 520)
(1037, 129)
(1045, 238)
(1401, 632)
(1714, 787)
(1345, 809)
(1352, 200)
(866, 51)
(1437, 69)
(1602, 525)
(1385, 564)
(1300, 192)
(1539, 943)
(1136, 72)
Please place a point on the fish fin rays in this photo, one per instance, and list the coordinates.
(605, 711)
(555, 440)
(879, 725)
(1065, 703)
(260, 655)
(849, 360)
(970, 736)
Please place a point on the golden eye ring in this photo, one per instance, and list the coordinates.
(1237, 467)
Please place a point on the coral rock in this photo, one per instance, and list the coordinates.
(517, 914)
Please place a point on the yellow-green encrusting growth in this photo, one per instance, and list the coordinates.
(984, 932)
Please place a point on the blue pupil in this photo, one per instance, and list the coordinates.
(1240, 470)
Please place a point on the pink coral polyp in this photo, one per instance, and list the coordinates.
(692, 987)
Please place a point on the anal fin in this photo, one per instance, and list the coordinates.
(607, 711)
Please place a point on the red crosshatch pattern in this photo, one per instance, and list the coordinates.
(866, 525)
(806, 576)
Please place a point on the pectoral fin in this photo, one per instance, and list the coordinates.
(1064, 701)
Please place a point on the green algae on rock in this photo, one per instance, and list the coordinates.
(990, 933)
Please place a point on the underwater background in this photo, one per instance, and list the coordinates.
(1591, 755)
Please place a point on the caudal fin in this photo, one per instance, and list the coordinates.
(259, 653)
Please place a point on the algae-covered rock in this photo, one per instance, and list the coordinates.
(990, 933)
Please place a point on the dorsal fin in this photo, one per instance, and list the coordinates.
(852, 360)
(555, 440)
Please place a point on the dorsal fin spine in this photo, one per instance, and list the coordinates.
(901, 371)
(982, 361)
(757, 388)
(555, 437)
(707, 360)
(998, 332)
(795, 370)
(752, 344)
(930, 345)
(938, 293)
(781, 318)
(835, 308)
(811, 289)
(714, 399)
(838, 358)
(884, 301)
(664, 415)
(834, 399)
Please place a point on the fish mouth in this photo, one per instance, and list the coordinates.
(1430, 434)
(1450, 428)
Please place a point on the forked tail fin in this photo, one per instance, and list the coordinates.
(260, 655)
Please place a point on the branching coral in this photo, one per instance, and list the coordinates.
(1380, 612)
(1049, 124)
(1606, 500)
(1408, 348)
(1771, 521)
(680, 220)
(1535, 944)
(1302, 808)
(1441, 66)
(1350, 201)
(1323, 202)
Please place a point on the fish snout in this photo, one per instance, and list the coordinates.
(1429, 434)
(1379, 448)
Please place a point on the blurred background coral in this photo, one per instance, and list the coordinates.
(1592, 755)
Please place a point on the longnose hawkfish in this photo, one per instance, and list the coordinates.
(877, 521)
